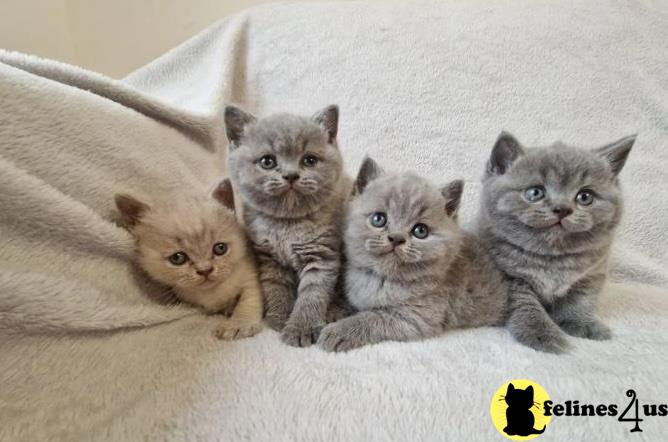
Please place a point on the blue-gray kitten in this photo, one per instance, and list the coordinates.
(410, 271)
(548, 216)
(288, 171)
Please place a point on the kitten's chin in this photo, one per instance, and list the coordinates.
(555, 240)
(198, 284)
(390, 261)
(380, 253)
(291, 204)
(557, 228)
(570, 227)
(209, 283)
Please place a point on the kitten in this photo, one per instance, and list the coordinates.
(195, 246)
(519, 417)
(289, 173)
(548, 217)
(410, 271)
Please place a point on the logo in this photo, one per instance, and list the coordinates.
(521, 410)
(516, 409)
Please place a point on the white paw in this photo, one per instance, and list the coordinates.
(231, 330)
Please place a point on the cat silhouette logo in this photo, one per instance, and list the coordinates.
(516, 409)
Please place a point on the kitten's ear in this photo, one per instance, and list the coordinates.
(224, 194)
(452, 192)
(511, 387)
(529, 390)
(236, 120)
(369, 171)
(130, 208)
(328, 118)
(506, 150)
(616, 153)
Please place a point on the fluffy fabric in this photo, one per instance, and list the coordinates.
(420, 86)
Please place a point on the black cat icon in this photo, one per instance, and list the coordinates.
(519, 417)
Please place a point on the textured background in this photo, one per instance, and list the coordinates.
(111, 37)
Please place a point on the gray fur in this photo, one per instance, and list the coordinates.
(423, 286)
(296, 233)
(556, 271)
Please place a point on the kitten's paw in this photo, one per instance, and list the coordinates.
(231, 330)
(228, 311)
(334, 337)
(301, 334)
(276, 314)
(547, 340)
(589, 330)
(275, 320)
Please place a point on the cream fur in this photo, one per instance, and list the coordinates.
(192, 225)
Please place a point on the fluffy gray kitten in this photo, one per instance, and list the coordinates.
(288, 171)
(548, 217)
(410, 271)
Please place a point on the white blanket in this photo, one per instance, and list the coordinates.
(86, 353)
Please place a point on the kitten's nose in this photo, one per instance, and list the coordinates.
(291, 177)
(205, 272)
(562, 211)
(396, 240)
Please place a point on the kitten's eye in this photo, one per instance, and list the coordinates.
(219, 248)
(178, 258)
(585, 197)
(420, 231)
(535, 193)
(267, 162)
(378, 219)
(309, 160)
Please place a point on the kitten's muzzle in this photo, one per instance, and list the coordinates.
(205, 271)
(291, 177)
(562, 211)
(396, 240)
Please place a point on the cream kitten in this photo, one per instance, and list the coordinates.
(196, 246)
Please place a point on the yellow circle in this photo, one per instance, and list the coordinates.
(520, 401)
